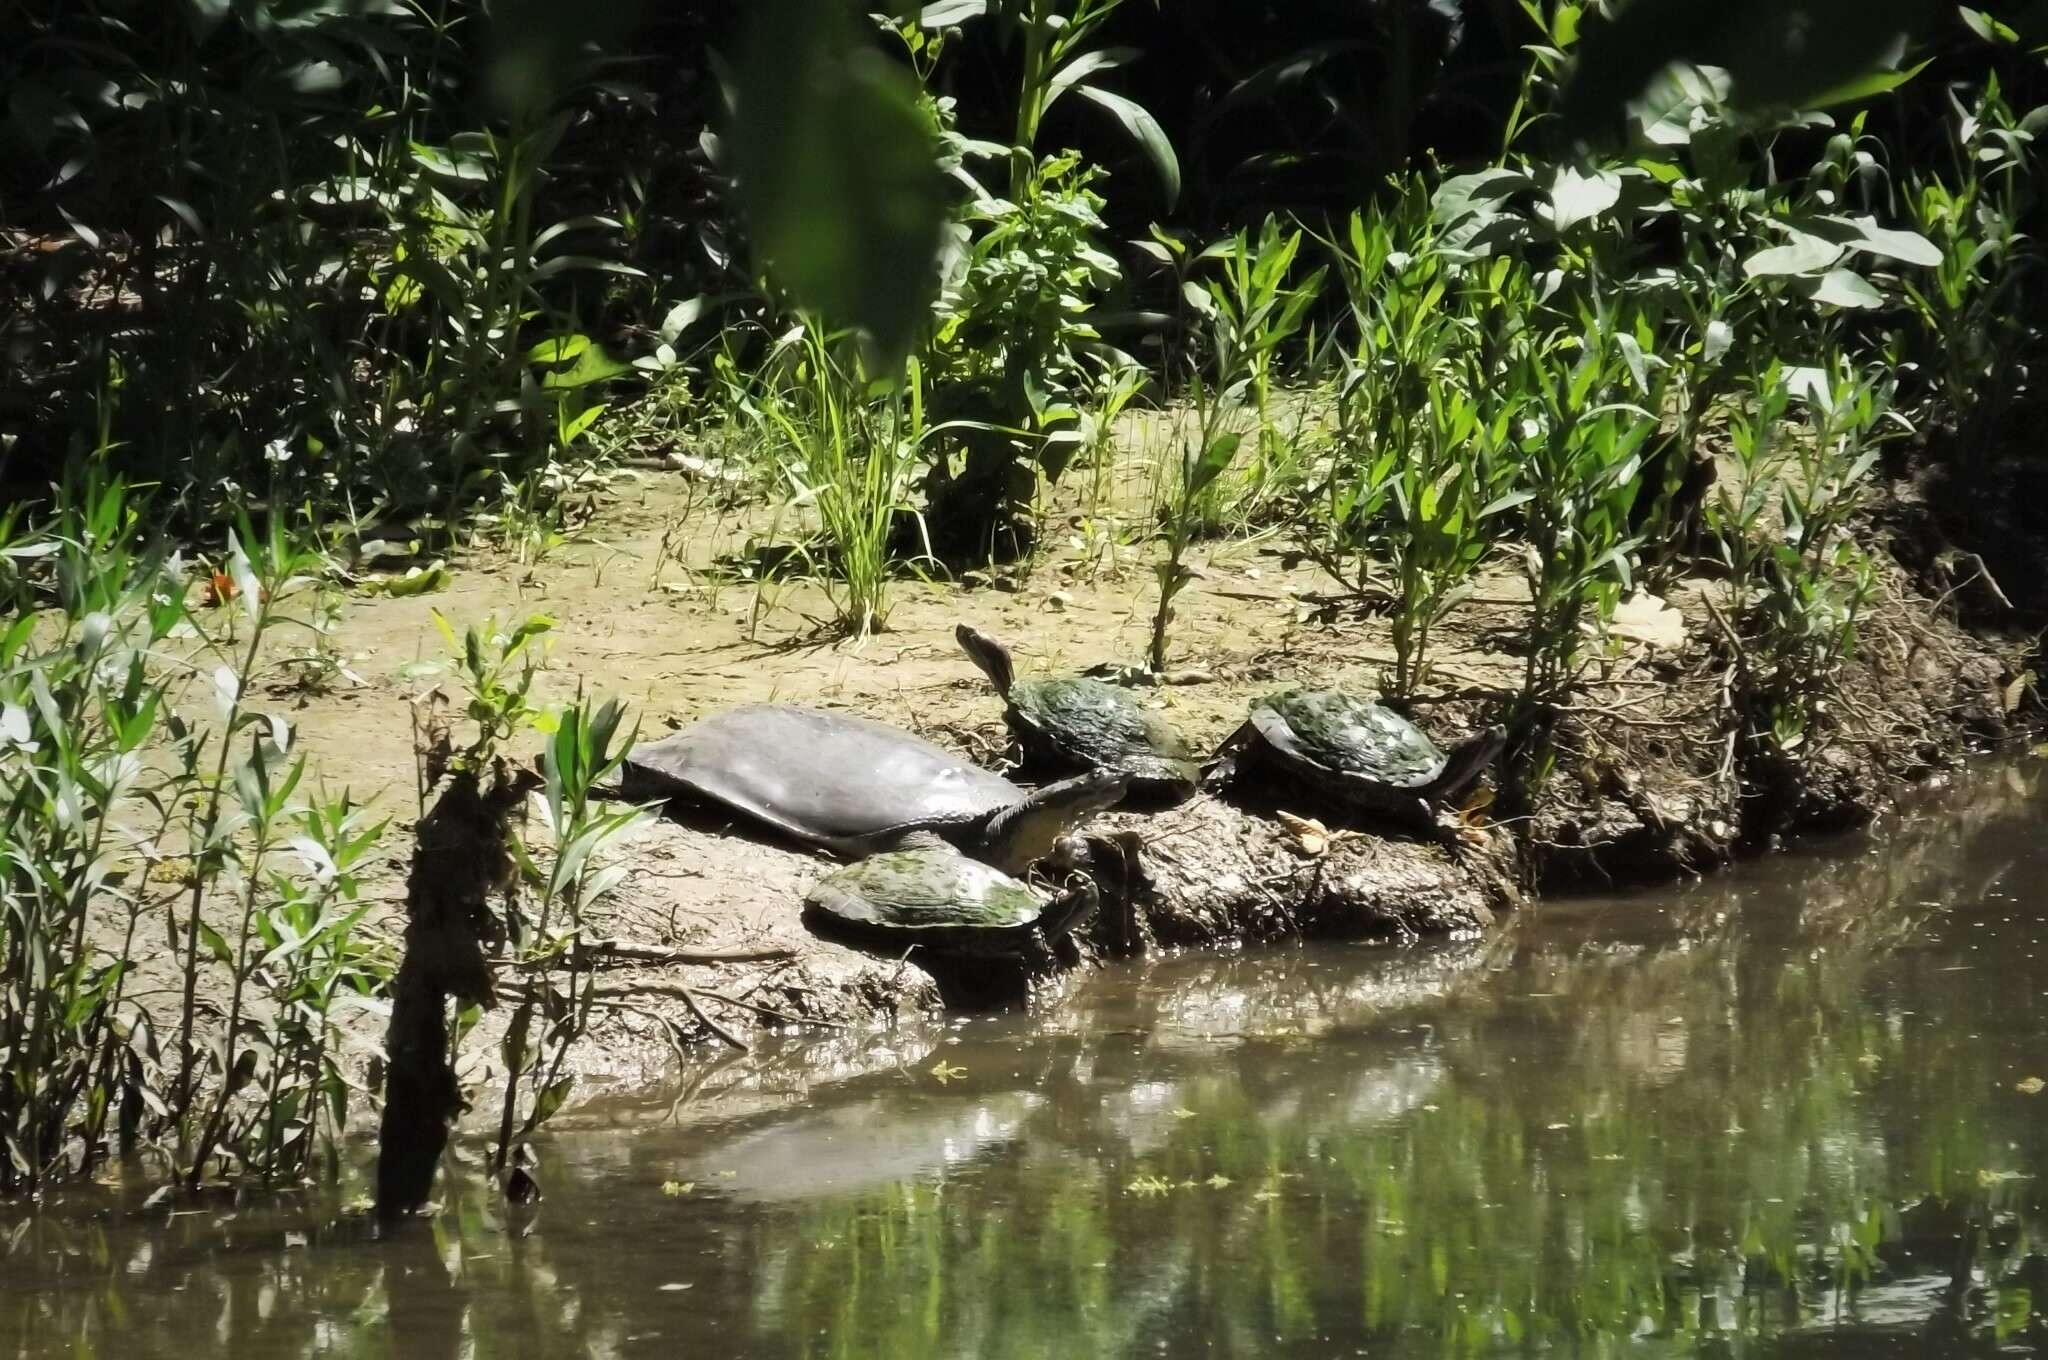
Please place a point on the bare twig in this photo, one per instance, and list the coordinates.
(772, 1013)
(677, 992)
(629, 952)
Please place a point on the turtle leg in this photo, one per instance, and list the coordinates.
(1221, 768)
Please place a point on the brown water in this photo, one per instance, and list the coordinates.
(1784, 1112)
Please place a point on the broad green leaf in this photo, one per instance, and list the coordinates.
(1718, 339)
(1802, 254)
(558, 349)
(681, 317)
(1576, 198)
(1481, 191)
(1865, 235)
(1988, 28)
(1145, 130)
(576, 425)
(838, 172)
(592, 365)
(1846, 288)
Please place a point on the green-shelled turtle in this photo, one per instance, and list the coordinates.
(928, 895)
(1358, 753)
(1074, 722)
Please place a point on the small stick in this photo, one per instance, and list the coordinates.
(689, 998)
(1727, 630)
(772, 1013)
(625, 951)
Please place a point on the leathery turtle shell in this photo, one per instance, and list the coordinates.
(934, 897)
(849, 784)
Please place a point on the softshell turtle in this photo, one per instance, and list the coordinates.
(856, 786)
(1359, 753)
(927, 894)
(1077, 722)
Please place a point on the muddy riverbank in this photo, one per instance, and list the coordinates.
(1651, 782)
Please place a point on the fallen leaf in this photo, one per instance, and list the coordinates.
(2017, 690)
(416, 581)
(1306, 836)
(1218, 1181)
(1183, 1113)
(2031, 1086)
(1644, 618)
(944, 1072)
(674, 1189)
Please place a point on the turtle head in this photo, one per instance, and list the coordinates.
(992, 656)
(1466, 762)
(1029, 830)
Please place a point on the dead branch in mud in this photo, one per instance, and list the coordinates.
(627, 953)
(676, 992)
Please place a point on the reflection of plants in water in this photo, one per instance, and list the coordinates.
(1774, 1117)
(1728, 1139)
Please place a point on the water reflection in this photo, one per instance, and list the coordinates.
(1783, 1113)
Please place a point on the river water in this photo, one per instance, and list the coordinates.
(1790, 1111)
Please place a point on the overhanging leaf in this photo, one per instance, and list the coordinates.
(1778, 53)
(838, 172)
(947, 13)
(1138, 121)
(1870, 86)
(1084, 66)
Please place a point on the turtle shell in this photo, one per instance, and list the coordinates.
(1348, 735)
(1103, 726)
(932, 896)
(831, 779)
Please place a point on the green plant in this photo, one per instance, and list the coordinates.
(1013, 354)
(1578, 452)
(1798, 582)
(1253, 307)
(1973, 330)
(1426, 430)
(1196, 469)
(851, 464)
(1057, 61)
(85, 859)
(547, 938)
